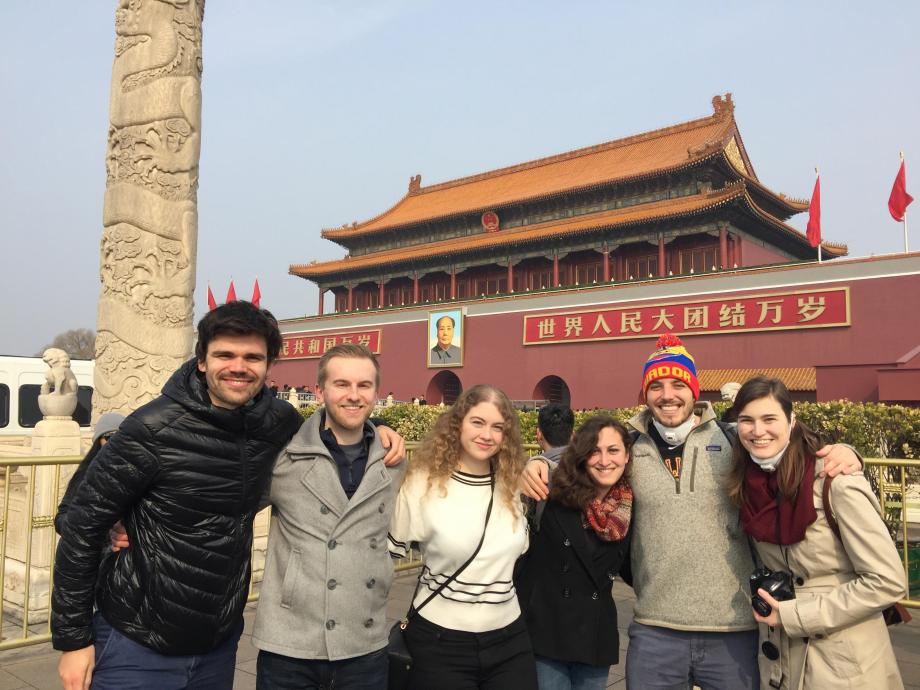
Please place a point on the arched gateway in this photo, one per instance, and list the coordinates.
(444, 386)
(552, 389)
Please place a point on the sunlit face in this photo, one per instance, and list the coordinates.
(481, 433)
(763, 427)
(608, 461)
(445, 331)
(670, 401)
(234, 368)
(349, 393)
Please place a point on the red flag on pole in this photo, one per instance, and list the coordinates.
(899, 199)
(212, 303)
(256, 293)
(231, 292)
(813, 231)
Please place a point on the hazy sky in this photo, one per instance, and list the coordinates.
(316, 113)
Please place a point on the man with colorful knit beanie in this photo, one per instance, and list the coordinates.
(692, 622)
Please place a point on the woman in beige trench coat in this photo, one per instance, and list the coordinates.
(831, 635)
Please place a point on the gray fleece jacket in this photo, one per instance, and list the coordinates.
(690, 558)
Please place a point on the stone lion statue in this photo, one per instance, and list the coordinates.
(59, 379)
(58, 397)
(729, 391)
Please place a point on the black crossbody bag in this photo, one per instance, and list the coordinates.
(397, 651)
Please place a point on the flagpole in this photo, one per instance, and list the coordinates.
(819, 238)
(904, 218)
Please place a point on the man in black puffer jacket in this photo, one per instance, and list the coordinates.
(185, 474)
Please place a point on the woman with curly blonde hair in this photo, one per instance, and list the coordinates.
(460, 503)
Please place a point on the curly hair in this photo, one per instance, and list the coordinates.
(439, 452)
(572, 484)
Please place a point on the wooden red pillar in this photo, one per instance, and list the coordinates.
(606, 254)
(351, 302)
(510, 276)
(415, 290)
(662, 260)
(381, 294)
(453, 283)
(319, 310)
(723, 247)
(555, 269)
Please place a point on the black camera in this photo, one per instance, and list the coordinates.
(777, 583)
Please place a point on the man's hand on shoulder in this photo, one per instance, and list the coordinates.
(839, 459)
(76, 668)
(118, 535)
(535, 480)
(395, 444)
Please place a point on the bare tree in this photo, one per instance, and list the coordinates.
(79, 343)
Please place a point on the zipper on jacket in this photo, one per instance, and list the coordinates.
(245, 482)
(693, 468)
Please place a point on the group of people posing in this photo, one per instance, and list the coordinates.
(513, 593)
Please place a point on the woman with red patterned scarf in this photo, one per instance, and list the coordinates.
(843, 567)
(580, 545)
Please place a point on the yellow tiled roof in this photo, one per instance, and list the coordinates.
(658, 210)
(642, 155)
(795, 378)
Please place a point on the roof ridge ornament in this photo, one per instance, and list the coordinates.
(705, 149)
(415, 184)
(723, 106)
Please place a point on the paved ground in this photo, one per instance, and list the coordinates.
(35, 668)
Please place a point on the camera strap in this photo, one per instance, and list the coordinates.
(754, 557)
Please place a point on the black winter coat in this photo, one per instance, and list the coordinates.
(564, 588)
(186, 479)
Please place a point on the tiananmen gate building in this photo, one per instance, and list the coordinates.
(552, 278)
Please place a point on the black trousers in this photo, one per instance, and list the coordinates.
(456, 660)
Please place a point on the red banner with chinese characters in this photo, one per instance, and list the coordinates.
(750, 313)
(314, 346)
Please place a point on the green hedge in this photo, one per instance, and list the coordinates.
(876, 430)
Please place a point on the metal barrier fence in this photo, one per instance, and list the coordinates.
(32, 488)
(897, 482)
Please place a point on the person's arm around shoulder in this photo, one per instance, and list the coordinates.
(114, 481)
(880, 579)
(535, 477)
(840, 458)
(391, 441)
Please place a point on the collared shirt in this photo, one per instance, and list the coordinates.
(350, 459)
(449, 354)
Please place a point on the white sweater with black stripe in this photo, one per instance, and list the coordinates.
(447, 528)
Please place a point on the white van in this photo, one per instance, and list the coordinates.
(21, 379)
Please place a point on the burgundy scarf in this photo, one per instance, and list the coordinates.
(767, 516)
(609, 516)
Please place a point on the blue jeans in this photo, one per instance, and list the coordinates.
(564, 675)
(123, 664)
(278, 672)
(665, 659)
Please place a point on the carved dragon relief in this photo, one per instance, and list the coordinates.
(169, 35)
(127, 377)
(147, 253)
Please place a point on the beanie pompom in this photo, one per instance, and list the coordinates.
(668, 340)
(670, 360)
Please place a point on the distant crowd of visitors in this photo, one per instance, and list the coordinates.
(757, 554)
